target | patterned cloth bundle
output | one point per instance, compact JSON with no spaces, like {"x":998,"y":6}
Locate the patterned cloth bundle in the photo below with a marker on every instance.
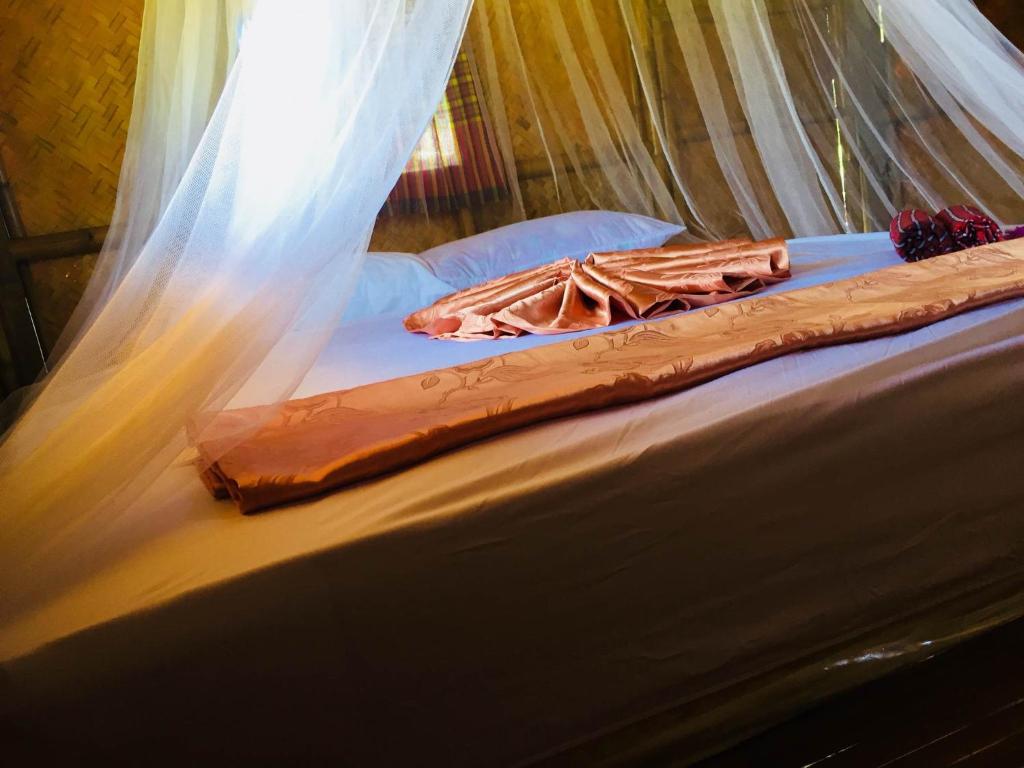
{"x":918,"y":235}
{"x":968,"y":227}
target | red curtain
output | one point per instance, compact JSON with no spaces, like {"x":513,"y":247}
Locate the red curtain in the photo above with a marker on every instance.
{"x":457,"y":163}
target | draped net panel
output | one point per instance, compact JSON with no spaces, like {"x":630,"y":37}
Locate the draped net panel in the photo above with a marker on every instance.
{"x":185,"y":53}
{"x":249,"y":265}
{"x":264,"y":143}
{"x":761,"y":118}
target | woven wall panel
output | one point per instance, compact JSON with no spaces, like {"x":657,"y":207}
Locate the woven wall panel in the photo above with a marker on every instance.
{"x":67,"y":73}
{"x":67,"y":70}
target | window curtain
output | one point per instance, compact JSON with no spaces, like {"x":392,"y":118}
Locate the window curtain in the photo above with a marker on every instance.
{"x":457,"y":163}
{"x":559,"y":91}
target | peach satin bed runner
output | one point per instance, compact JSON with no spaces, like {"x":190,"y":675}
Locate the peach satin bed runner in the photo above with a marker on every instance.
{"x":316,"y":444}
{"x":605,"y":289}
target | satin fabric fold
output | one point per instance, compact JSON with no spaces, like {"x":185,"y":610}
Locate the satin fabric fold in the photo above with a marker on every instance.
{"x":605,"y":289}
{"x":315,"y":444}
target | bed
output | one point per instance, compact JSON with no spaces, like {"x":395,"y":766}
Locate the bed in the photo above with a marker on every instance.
{"x":680,"y":571}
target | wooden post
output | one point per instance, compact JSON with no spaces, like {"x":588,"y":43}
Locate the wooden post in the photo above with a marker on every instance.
{"x":8,"y":208}
{"x":15,"y":312}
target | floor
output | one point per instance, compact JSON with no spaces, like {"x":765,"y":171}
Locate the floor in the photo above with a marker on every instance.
{"x":963,"y":708}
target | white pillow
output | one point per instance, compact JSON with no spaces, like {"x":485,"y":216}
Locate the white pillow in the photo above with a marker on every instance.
{"x":473,"y":260}
{"x":392,"y":283}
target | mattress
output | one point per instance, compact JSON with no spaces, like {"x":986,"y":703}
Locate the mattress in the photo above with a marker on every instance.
{"x":683,"y":567}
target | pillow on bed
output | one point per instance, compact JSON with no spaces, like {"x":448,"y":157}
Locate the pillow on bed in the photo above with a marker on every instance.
{"x":498,"y":252}
{"x":391,"y":283}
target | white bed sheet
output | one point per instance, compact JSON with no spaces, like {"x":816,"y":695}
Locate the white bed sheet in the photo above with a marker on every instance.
{"x":380,"y":348}
{"x":527,"y":592}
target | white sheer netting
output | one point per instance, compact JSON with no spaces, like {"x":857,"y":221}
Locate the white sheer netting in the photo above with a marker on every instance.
{"x":769,"y":117}
{"x":251,"y":261}
{"x":185,"y":54}
{"x":264,"y":142}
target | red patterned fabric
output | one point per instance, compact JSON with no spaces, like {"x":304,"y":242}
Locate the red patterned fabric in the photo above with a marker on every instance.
{"x":916,"y":235}
{"x":457,"y":163}
{"x":968,"y":227}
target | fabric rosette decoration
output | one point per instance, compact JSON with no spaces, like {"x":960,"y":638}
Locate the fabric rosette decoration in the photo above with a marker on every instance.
{"x":968,"y":227}
{"x":917,"y":235}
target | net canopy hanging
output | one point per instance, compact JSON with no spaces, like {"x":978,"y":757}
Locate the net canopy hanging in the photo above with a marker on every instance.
{"x":765,"y":118}
{"x":269,"y":149}
{"x":249,"y":260}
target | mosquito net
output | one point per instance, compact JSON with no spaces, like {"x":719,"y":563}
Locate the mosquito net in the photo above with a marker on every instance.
{"x":763,"y":118}
{"x":270,"y":146}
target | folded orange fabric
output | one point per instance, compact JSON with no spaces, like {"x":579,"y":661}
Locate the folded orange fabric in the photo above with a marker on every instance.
{"x":605,"y":289}
{"x":310,"y":446}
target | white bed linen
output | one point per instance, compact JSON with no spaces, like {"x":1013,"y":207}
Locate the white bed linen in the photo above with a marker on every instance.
{"x":528,"y":592}
{"x":380,"y":348}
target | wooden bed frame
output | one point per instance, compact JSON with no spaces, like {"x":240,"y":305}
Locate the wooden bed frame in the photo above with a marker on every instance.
{"x":964,"y":707}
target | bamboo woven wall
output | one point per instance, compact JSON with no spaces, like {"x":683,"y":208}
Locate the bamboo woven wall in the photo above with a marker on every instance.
{"x":67,"y":70}
{"x":66,"y":77}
